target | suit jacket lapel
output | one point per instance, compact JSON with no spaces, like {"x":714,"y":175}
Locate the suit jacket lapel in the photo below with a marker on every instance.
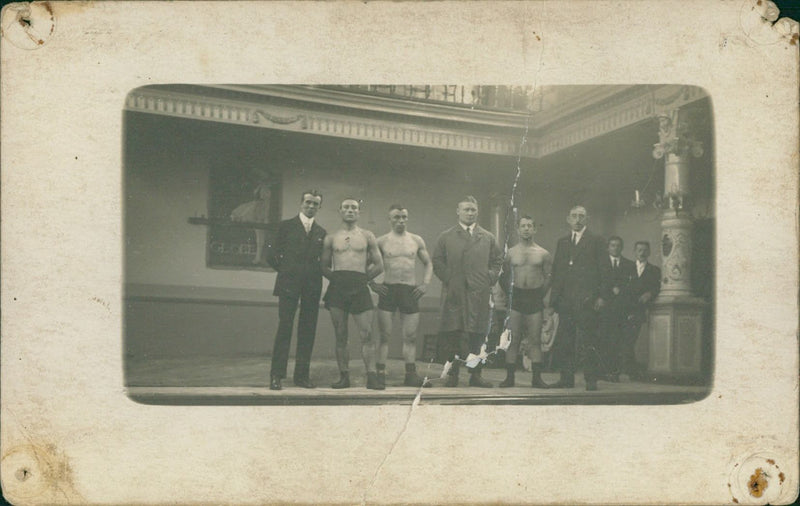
{"x":315,"y":230}
{"x":580,"y":248}
{"x":298,"y":224}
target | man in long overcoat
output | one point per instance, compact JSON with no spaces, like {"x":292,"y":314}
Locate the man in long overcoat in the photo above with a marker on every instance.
{"x":467,"y":260}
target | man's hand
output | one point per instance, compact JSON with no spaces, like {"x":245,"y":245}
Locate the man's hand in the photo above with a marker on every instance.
{"x":379,"y":288}
{"x":615,"y":290}
{"x":645,"y":298}
{"x":420,"y":290}
{"x":548,"y":311}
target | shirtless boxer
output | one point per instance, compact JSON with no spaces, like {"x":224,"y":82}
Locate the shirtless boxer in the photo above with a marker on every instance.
{"x":350,"y":259}
{"x":526,"y":279}
{"x":400,"y":292}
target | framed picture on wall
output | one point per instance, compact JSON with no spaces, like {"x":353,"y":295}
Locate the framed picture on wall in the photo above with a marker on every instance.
{"x":244,"y":206}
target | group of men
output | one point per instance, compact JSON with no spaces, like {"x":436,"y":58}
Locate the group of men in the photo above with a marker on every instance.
{"x":601,"y":297}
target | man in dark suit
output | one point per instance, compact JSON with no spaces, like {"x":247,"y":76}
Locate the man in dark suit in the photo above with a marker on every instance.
{"x":296,"y":256}
{"x":615,"y":276}
{"x":576,"y":288}
{"x":642,"y":290}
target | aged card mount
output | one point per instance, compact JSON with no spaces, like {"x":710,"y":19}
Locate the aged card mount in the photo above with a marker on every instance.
{"x":70,"y":434}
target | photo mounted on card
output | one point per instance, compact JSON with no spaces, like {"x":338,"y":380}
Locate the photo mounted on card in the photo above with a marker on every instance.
{"x":478,"y":244}
{"x":365,"y":252}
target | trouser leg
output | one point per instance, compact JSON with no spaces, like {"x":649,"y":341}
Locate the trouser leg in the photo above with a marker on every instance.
{"x":564,"y":348}
{"x":287,"y":307}
{"x":306,"y":333}
{"x":589,"y":349}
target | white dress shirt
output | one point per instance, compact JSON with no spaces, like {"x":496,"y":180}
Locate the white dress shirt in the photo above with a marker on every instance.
{"x":307,"y":222}
{"x":640,"y":267}
{"x":576,"y":236}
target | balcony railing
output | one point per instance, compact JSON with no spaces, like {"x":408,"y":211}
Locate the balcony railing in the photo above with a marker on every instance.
{"x":519,"y":99}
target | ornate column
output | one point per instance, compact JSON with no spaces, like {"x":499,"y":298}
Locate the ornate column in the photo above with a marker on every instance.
{"x":676,"y":318}
{"x":501,"y":218}
{"x":677,"y":143}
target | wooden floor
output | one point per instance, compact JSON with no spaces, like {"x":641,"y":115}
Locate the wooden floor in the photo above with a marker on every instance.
{"x":207,"y":380}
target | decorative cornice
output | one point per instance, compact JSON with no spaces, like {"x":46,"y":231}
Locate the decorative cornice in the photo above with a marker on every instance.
{"x":580,"y":104}
{"x":632,"y":106}
{"x":414,"y":124}
{"x":331,"y":124}
{"x":410,"y":108}
{"x":603,"y":119}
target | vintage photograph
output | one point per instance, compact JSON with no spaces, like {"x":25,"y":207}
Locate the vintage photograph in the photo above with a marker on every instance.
{"x":338,"y":244}
{"x":264,"y":253}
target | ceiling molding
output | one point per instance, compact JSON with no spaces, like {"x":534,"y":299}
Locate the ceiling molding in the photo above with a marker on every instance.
{"x":266,"y":115}
{"x":306,"y":109}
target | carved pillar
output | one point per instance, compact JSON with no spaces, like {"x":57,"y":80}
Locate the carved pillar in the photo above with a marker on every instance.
{"x":675,"y":323}
{"x":501,"y":219}
{"x":676,"y":145}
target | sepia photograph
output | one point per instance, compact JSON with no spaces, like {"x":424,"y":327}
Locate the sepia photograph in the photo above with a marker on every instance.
{"x":410,"y":252}
{"x":470,"y":243}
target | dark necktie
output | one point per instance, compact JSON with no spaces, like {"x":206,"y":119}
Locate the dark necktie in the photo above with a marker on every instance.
{"x":574,"y":239}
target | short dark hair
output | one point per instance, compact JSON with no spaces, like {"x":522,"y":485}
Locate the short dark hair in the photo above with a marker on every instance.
{"x":313,"y":193}
{"x":646,"y":243}
{"x":470,"y":199}
{"x":399,"y":207}
{"x":616,"y":238}
{"x":525,"y":217}
{"x":357,"y":201}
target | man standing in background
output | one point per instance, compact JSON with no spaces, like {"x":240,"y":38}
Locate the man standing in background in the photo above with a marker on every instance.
{"x":467,"y":260}
{"x":296,"y":256}
{"x":615,"y":277}
{"x":399,"y":292}
{"x":644,"y":287}
{"x":576,"y":287}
